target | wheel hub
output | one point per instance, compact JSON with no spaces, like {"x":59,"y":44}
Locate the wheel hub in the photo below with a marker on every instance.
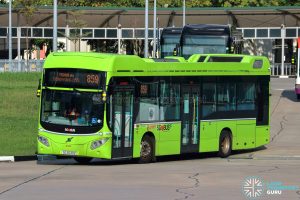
{"x":145,"y":149}
{"x":225,"y":145}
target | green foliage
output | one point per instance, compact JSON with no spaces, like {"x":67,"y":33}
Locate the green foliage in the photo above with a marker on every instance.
{"x":19,"y":113}
{"x":196,"y":3}
{"x":27,"y":8}
{"x":165,"y":3}
{"x":248,"y":3}
{"x":40,"y":42}
{"x":75,"y":21}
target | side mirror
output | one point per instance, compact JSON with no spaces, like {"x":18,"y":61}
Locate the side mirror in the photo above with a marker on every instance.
{"x":38,"y":91}
{"x":176,"y":50}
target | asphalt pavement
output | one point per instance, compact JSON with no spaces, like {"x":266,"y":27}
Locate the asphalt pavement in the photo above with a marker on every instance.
{"x":275,"y":170}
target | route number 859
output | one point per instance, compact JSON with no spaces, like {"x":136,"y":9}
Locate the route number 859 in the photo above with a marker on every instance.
{"x":92,"y":79}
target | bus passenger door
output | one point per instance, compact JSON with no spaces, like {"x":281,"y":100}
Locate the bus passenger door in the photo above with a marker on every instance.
{"x":122,"y":111}
{"x":190,"y":118}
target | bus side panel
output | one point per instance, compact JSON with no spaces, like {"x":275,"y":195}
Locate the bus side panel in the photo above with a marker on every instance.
{"x":262,"y":135}
{"x":139,"y":132}
{"x":245,"y":135}
{"x":170,"y":136}
{"x":208,"y":136}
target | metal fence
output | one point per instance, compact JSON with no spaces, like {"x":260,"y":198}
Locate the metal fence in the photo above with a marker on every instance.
{"x":288,"y":69}
{"x":21,"y":66}
{"x":37,"y":66}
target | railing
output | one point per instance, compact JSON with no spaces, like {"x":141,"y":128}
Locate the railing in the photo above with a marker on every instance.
{"x":288,"y":69}
{"x":21,"y":66}
{"x":37,"y":66}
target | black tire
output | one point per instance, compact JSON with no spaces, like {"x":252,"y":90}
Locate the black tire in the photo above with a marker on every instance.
{"x":147,"y":154}
{"x":83,"y":160}
{"x":298,"y":96}
{"x":225,"y":144}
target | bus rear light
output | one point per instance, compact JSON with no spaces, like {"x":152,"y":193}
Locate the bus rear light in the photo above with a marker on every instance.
{"x":98,"y":143}
{"x":44,"y":141}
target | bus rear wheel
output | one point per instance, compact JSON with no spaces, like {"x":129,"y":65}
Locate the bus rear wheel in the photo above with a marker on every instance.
{"x":225,"y":144}
{"x":83,"y":160}
{"x":147,"y":150}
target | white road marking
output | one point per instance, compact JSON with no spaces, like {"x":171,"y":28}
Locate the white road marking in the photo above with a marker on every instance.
{"x":7,"y":158}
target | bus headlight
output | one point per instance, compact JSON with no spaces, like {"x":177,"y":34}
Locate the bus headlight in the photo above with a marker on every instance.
{"x":98,"y":143}
{"x":44,"y":141}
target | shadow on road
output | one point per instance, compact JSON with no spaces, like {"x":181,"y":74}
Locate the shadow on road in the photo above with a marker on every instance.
{"x":289,"y":94}
{"x":247,"y":151}
{"x":160,"y":159}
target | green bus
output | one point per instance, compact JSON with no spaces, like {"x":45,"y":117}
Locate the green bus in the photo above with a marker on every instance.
{"x":122,"y":106}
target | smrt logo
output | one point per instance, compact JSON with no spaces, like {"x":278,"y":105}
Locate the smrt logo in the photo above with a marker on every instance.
{"x":70,"y":130}
{"x":253,"y":187}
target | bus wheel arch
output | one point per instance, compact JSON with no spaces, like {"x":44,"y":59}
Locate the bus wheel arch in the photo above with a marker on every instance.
{"x":147,"y":150}
{"x":225,"y":143}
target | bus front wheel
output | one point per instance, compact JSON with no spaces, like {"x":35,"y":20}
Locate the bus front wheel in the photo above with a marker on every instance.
{"x":83,"y":160}
{"x":147,"y":150}
{"x":225,"y":144}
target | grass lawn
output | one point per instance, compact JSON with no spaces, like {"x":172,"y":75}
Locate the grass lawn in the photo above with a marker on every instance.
{"x":18,"y":113}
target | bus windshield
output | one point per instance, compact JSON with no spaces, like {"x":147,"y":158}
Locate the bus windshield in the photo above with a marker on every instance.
{"x":72,"y":108}
{"x":201,"y":44}
{"x":170,"y":42}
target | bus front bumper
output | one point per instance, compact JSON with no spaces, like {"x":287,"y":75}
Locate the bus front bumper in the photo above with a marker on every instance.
{"x":95,"y":146}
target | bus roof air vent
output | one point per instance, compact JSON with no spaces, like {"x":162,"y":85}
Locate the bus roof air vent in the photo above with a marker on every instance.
{"x":225,"y":59}
{"x":257,"y":64}
{"x":201,"y":58}
{"x":165,"y":60}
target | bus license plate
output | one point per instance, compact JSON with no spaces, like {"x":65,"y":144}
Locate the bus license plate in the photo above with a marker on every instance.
{"x":70,"y":153}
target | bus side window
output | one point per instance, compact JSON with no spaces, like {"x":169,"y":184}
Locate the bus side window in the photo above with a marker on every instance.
{"x":110,"y":109}
{"x":148,"y":105}
{"x":169,"y":101}
{"x":262,"y":102}
{"x":226,"y":96}
{"x":208,"y":99}
{"x":246,"y":96}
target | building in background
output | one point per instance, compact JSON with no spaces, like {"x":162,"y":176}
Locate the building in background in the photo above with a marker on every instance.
{"x":262,"y":30}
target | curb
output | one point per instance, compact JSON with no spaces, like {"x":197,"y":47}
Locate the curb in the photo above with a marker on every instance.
{"x":276,"y":157}
{"x":265,"y":157}
{"x":278,"y":76}
{"x":17,"y":158}
{"x":7,"y":159}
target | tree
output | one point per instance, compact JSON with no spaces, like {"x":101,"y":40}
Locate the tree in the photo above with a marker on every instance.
{"x":75,"y":35}
{"x":27,"y":9}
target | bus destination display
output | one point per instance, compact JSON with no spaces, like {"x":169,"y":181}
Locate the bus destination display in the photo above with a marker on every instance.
{"x":73,"y":78}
